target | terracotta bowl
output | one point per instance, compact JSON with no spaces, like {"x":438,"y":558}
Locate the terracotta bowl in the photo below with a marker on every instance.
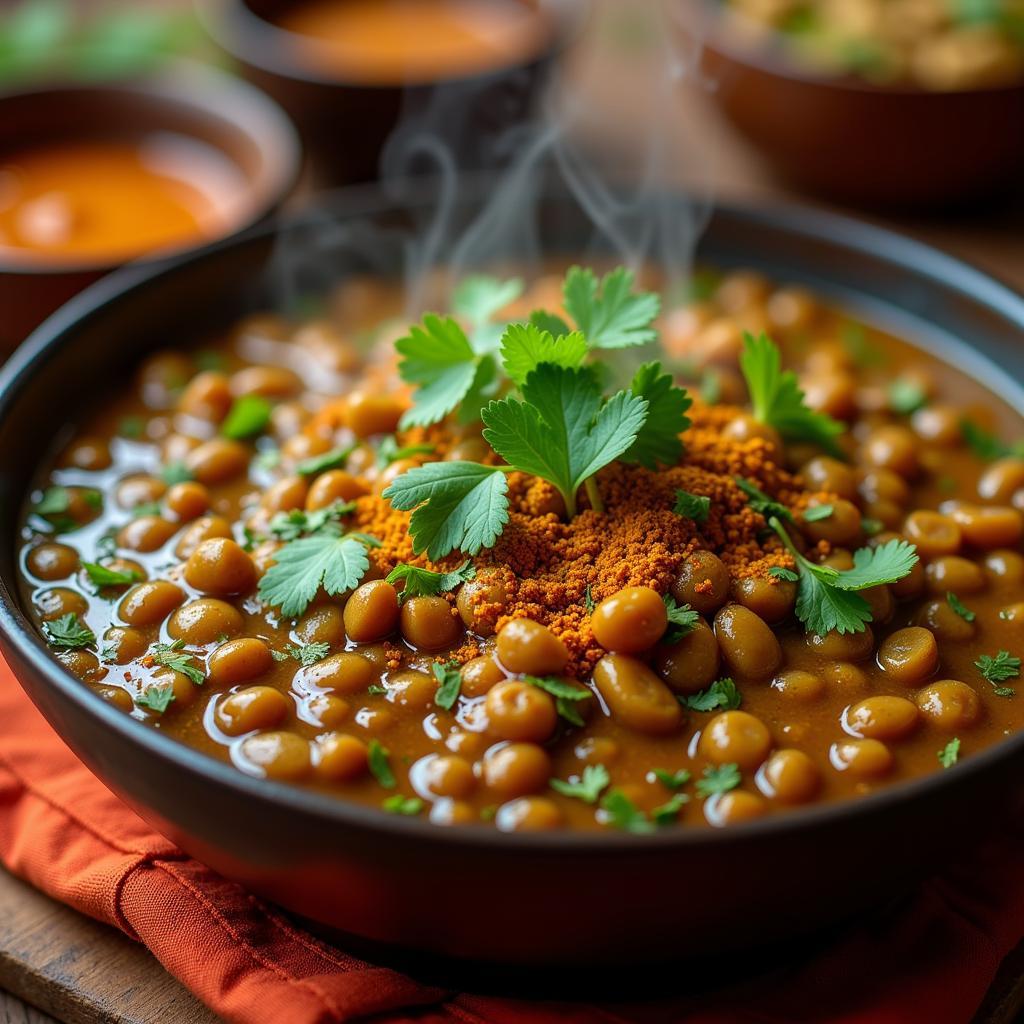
{"x":250,"y":129}
{"x":849,"y":140}
{"x":345,"y":123}
{"x":524,"y":899}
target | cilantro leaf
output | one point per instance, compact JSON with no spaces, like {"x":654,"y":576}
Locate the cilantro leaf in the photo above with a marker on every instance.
{"x":562,"y":432}
{"x":760,"y":502}
{"x":302,"y":566}
{"x":722,"y":693}
{"x":102,"y":576}
{"x":673,"y":780}
{"x":681,"y":619}
{"x":305,"y":654}
{"x":479,"y":297}
{"x":131,"y":427}
{"x":780,"y":572}
{"x":175,"y":473}
{"x":823,"y":608}
{"x":959,"y":607}
{"x":950,"y":753}
{"x":248,"y":416}
{"x":906,"y":396}
{"x":657,"y":442}
{"x":410,"y":806}
{"x":587,"y":787}
{"x":566,"y":695}
{"x":68,"y":633}
{"x":588,"y":600}
{"x":816,"y":513}
{"x":624,"y":814}
{"x":171,"y":656}
{"x":458,"y":505}
{"x":439,"y":359}
{"x":692,"y":506}
{"x":449,"y":679}
{"x":334,"y":459}
{"x":55,"y":501}
{"x":550,"y":322}
{"x":525,"y":346}
{"x":872,"y":567}
{"x":157,"y":697}
{"x":985,"y":445}
{"x":388,"y":451}
{"x":380,"y":765}
{"x":718,"y":779}
{"x":295,"y":522}
{"x":778,"y":401}
{"x":999,"y":668}
{"x":668,"y":812}
{"x":610,"y":314}
{"x":417,"y":582}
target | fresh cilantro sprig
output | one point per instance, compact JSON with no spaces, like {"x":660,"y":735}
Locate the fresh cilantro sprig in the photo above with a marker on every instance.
{"x":103,"y":576}
{"x":692,"y":506}
{"x":566,"y":695}
{"x":722,"y":693}
{"x":586,"y":787}
{"x":295,"y":522}
{"x":816,"y":513}
{"x":333,"y":459}
{"x":985,"y":445}
{"x":479,"y":298}
{"x":247,"y":417}
{"x":449,"y":684}
{"x":525,"y":346}
{"x":68,"y":633}
{"x":379,"y":760}
{"x":718,"y":779}
{"x":778,"y":400}
{"x":304,"y":654}
{"x":172,"y":656}
{"x":609,"y":312}
{"x":156,"y":697}
{"x":950,"y":753}
{"x":761,"y":502}
{"x":998,"y":669}
{"x":623,"y":814}
{"x":827,"y":599}
{"x":658,"y":442}
{"x":681,"y":619}
{"x":673,"y":780}
{"x":417,"y":582}
{"x":668,"y":812}
{"x":959,"y":607}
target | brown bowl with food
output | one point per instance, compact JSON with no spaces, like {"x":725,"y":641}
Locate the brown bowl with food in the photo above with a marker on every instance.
{"x":348,"y":70}
{"x":95,"y":176}
{"x":880,"y":104}
{"x":517,"y":618}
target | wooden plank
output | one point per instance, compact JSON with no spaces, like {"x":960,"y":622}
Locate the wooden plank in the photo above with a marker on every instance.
{"x":14,"y":1011}
{"x":80,"y":971}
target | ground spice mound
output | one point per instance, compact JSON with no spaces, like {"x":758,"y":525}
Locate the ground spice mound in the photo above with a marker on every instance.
{"x":553,"y":571}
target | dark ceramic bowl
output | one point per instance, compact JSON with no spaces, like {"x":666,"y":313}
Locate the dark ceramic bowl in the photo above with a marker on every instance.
{"x":345,"y":123}
{"x":850,"y":140}
{"x":523,"y":899}
{"x":248,"y":127}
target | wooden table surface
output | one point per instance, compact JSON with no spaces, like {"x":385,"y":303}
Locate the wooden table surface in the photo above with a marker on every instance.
{"x":56,"y":965}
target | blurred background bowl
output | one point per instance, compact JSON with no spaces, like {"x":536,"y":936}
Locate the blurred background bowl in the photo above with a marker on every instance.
{"x":850,"y":140}
{"x":346,"y":121}
{"x":209,"y":108}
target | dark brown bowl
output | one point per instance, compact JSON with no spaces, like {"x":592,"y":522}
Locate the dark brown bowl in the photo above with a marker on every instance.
{"x":345,"y":124}
{"x":852,"y":141}
{"x":595,"y":898}
{"x":187,"y":99}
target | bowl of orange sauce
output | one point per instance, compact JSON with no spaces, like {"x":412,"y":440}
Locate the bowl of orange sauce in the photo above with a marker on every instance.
{"x":96,"y":176}
{"x":346,"y":70}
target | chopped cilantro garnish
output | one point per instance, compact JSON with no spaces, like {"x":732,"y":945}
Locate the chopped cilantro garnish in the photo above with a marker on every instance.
{"x":906,"y":396}
{"x":871,"y":527}
{"x":566,"y":695}
{"x":778,"y":401}
{"x":305,"y":654}
{"x":998,"y":669}
{"x":175,"y":473}
{"x":171,"y":656}
{"x":761,"y":502}
{"x":380,"y":765}
{"x":247,"y":417}
{"x":985,"y":445}
{"x":816,"y":513}
{"x":417,"y":582}
{"x":681,"y":619}
{"x":624,"y":814}
{"x":295,"y":522}
{"x":692,"y":506}
{"x":950,"y":753}
{"x":718,"y":779}
{"x":668,"y":812}
{"x":780,"y":572}
{"x":157,"y":697}
{"x":959,"y":607}
{"x":146,"y":508}
{"x":376,"y":690}
{"x":410,"y":806}
{"x":673,"y":780}
{"x":131,"y":427}
{"x":722,"y":693}
{"x":587,"y":787}
{"x":388,"y":451}
{"x":68,"y":633}
{"x":826,"y":598}
{"x":610,"y":314}
{"x":588,"y":600}
{"x":102,"y":576}
{"x":334,"y":459}
{"x":449,"y":680}
{"x":55,"y":501}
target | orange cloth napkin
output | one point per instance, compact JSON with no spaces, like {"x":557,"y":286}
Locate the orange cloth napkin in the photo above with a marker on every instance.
{"x":930,"y":960}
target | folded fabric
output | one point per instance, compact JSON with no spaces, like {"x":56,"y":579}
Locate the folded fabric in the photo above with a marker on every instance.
{"x":930,"y":960}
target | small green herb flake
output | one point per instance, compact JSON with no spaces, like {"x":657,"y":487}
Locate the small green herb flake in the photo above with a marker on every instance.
{"x":816,"y":513}
{"x":380,"y":765}
{"x":959,"y":607}
{"x":864,"y":353}
{"x":780,"y":572}
{"x":131,"y":427}
{"x":673,"y":780}
{"x":417,"y":582}
{"x":247,"y":417}
{"x":610,"y":314}
{"x":778,"y":401}
{"x":101,"y":576}
{"x":950,"y":753}
{"x":409,"y":806}
{"x":682,"y":619}
{"x":999,"y":668}
{"x":722,"y":693}
{"x":388,"y":451}
{"x":208,"y":359}
{"x":158,"y":697}
{"x":871,"y":527}
{"x":692,"y":506}
{"x":376,"y":690}
{"x":566,"y":695}
{"x":55,"y":501}
{"x":984,"y":444}
{"x":588,"y":600}
{"x":175,"y":473}
{"x":305,"y":654}
{"x":68,"y":633}
{"x":718,"y":779}
{"x":906,"y":396}
{"x":334,"y":459}
{"x":623,"y":814}
{"x":761,"y":502}
{"x":173,"y":657}
{"x":668,"y":812}
{"x":587,"y":787}
{"x":449,"y":680}
{"x":268,"y":458}
{"x":295,"y":522}
{"x":146,"y":508}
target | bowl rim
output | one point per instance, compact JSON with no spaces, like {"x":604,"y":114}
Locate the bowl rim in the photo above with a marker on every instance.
{"x":918,"y":259}
{"x":204,"y":91}
{"x":769,"y":57}
{"x":254,"y":40}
